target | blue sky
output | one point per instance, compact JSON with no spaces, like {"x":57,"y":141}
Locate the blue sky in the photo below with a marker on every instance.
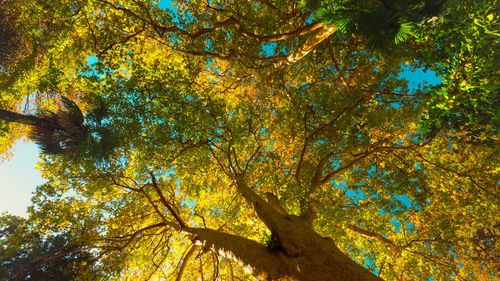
{"x":19,"y":178}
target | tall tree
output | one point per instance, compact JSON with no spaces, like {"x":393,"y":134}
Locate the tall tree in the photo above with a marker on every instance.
{"x":64,"y":132}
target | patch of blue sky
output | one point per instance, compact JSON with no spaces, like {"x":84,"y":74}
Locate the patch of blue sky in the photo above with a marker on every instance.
{"x":208,"y":44}
{"x":177,"y":17}
{"x":418,"y":77}
{"x":268,"y":48}
{"x":372,"y":170}
{"x":92,"y":60}
{"x":405,"y":200}
{"x":189,"y":203}
{"x":19,"y":177}
{"x":355,"y":195}
{"x":320,"y":141}
{"x":91,"y":68}
{"x":166,"y":4}
{"x":263,"y":131}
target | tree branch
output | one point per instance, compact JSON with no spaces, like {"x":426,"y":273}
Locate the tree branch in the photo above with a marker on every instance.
{"x":164,"y":201}
{"x":10,"y":116}
{"x":185,"y":260}
{"x":394,"y":248}
{"x":314,"y":40}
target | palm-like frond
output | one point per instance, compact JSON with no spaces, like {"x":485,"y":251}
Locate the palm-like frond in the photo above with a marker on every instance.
{"x":404,"y":32}
{"x":71,"y":111}
{"x":65,"y":133}
{"x":100,"y":110}
{"x":382,"y":23}
{"x":100,"y":144}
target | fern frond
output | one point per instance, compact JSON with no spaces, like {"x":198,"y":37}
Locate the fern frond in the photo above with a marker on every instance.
{"x":404,"y":32}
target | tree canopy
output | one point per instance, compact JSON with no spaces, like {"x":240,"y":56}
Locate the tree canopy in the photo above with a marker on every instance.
{"x":269,"y":140}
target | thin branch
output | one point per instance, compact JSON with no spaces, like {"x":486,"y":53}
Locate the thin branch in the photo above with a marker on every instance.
{"x":164,"y":201}
{"x":391,"y":267}
{"x":124,"y":40}
{"x":216,"y":266}
{"x":301,"y":159}
{"x":136,"y":233}
{"x":150,"y":200}
{"x":310,"y":44}
{"x":336,"y":64}
{"x":252,"y":156}
{"x":394,"y":248}
{"x":458,"y":174}
{"x":185,"y":260}
{"x":389,"y":93}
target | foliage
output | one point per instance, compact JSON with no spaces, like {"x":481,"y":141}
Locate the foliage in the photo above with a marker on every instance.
{"x":222,"y":136}
{"x":64,"y":132}
{"x":380,"y":22}
{"x":25,"y":255}
{"x":468,"y":99}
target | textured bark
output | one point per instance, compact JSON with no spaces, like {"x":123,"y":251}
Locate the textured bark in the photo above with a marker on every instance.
{"x":20,"y":118}
{"x":318,"y":258}
{"x":250,"y":255}
{"x":302,"y":254}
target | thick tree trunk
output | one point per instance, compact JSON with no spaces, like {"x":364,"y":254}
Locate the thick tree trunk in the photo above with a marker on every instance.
{"x":317,"y":259}
{"x":20,"y":118}
{"x":302,"y":254}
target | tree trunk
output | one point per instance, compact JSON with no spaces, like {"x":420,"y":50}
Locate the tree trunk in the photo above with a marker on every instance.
{"x":301,"y":253}
{"x":317,"y":259}
{"x":20,"y":118}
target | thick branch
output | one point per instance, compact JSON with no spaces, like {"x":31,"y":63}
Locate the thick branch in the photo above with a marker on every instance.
{"x":265,"y":211}
{"x":319,"y":36}
{"x":185,"y":260}
{"x":231,"y":21}
{"x":252,"y":256}
{"x":273,"y":201}
{"x":278,"y":37}
{"x":336,"y":64}
{"x":278,"y":223}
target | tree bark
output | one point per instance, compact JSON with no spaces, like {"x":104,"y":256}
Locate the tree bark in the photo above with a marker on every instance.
{"x":302,"y":254}
{"x":319,"y":258}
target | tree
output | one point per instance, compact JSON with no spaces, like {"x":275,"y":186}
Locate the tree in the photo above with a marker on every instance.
{"x":64,"y":132}
{"x":25,"y":255}
{"x":232,"y":160}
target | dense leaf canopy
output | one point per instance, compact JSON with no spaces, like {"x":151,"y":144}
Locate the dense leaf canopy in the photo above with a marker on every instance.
{"x":254,"y":134}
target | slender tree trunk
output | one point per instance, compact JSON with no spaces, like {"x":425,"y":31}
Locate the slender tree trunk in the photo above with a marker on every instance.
{"x":20,"y":118}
